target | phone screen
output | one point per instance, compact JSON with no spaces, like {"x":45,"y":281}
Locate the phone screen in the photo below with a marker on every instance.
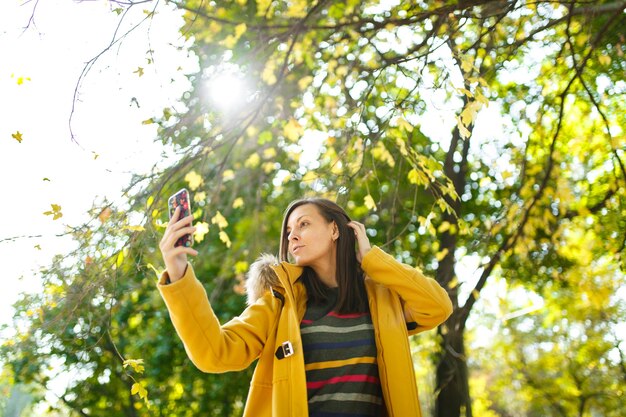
{"x":181,"y":198}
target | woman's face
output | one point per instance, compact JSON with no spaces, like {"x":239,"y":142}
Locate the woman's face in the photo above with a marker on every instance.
{"x":310,"y":236}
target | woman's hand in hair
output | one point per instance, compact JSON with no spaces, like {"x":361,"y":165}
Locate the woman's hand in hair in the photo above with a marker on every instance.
{"x":175,"y":257}
{"x":362,"y":240}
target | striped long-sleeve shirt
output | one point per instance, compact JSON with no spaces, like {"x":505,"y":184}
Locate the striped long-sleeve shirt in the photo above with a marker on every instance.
{"x":340,"y":362}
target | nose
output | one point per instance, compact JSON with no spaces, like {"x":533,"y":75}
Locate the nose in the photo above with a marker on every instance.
{"x":292,"y":236}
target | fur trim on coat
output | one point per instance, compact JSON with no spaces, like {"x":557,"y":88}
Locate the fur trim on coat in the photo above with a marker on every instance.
{"x":261,"y":277}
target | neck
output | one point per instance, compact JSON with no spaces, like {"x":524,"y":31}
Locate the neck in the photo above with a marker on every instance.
{"x":326,"y":272}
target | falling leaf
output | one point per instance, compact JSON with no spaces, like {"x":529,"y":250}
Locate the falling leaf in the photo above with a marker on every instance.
{"x":55,"y":212}
{"x":138,"y":71}
{"x":20,"y":80}
{"x":46,"y":179}
{"x":38,"y":247}
{"x":17,"y":136}
{"x":148,"y":121}
{"x":369,"y":202}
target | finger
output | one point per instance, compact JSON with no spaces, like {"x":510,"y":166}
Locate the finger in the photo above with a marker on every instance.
{"x":174,"y":217}
{"x":175,"y":235}
{"x":185,"y":221}
{"x":183,"y":249}
{"x":171,"y":237}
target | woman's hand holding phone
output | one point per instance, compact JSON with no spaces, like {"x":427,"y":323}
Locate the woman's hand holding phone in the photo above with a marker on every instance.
{"x":175,"y":257}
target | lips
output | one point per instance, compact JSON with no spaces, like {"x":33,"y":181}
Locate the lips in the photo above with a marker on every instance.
{"x":296,"y":248}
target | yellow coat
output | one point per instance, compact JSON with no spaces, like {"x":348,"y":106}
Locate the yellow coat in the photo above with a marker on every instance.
{"x":402,"y":302}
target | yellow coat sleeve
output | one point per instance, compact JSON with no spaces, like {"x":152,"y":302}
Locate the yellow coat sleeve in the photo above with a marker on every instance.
{"x":425,"y":301}
{"x":213,"y":347}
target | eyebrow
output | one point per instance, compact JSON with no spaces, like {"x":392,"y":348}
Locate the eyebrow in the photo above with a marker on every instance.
{"x":297,"y":220}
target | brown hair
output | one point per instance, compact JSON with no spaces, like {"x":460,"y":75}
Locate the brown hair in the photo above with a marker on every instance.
{"x":352,"y":294}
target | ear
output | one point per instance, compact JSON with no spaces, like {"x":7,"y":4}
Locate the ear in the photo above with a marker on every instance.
{"x":335,"y":234}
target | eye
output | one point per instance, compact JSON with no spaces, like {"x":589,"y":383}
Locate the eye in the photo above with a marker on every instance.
{"x":303,"y":224}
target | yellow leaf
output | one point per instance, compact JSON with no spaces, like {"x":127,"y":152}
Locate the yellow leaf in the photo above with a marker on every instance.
{"x":138,"y":389}
{"x":262,"y":7}
{"x":17,"y":136}
{"x":134,"y":228}
{"x":453,"y":282}
{"x":304,"y":82}
{"x":238,"y":203}
{"x":297,"y":9}
{"x":202,"y":228}
{"x":253,"y":161}
{"x":268,"y":73}
{"x":269,"y":153}
{"x":402,"y":122}
{"x":604,"y":60}
{"x":194,"y":180}
{"x":198,"y":197}
{"x":224,"y":238}
{"x":462,"y":129}
{"x":219,"y":220}
{"x":466,"y":65}
{"x":138,"y":71}
{"x":310,"y":176}
{"x":469,"y":113}
{"x":380,"y":152}
{"x":231,"y":40}
{"x":293,"y":130}
{"x":55,"y":212}
{"x":105,"y":214}
{"x":120,"y":257}
{"x":136,"y":364}
{"x":369,"y":202}
{"x":241,"y":267}
{"x":442,"y":254}
{"x":417,"y":177}
{"x":465,"y":92}
{"x":228,"y":175}
{"x":240,"y":29}
{"x":268,"y":167}
{"x":148,"y":121}
{"x":444,"y":227}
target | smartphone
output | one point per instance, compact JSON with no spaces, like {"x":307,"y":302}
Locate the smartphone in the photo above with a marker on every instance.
{"x":181,"y":199}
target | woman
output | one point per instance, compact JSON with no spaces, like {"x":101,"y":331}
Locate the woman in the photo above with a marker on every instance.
{"x":330,"y":329}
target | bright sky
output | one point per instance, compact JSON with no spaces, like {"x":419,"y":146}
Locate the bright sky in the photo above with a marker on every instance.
{"x":50,"y":56}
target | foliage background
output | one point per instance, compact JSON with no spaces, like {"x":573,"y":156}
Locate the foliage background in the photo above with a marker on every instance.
{"x":481,"y":141}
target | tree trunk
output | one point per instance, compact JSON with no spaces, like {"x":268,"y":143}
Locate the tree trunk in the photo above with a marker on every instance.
{"x":453,"y":399}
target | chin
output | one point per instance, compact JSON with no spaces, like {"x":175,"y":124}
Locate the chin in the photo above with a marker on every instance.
{"x":299,"y":261}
